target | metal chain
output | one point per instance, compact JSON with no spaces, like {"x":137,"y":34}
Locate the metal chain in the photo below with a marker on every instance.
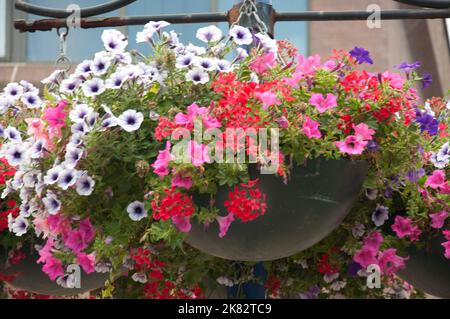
{"x":63,"y":58}
{"x":249,"y":9}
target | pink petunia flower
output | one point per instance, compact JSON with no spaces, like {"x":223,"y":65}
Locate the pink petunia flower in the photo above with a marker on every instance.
{"x":311,"y":128}
{"x":184,"y":182}
{"x":53,"y":268}
{"x":197,"y":153}
{"x":294,"y":80}
{"x":438,"y":219}
{"x":194,"y":112}
{"x":446,"y":246}
{"x":363,"y":132}
{"x":352,"y":145}
{"x":87,"y":262}
{"x":56,"y":116}
{"x":87,"y":230}
{"x":262,"y":63}
{"x":224,"y":224}
{"x":390,"y":262}
{"x":309,"y":65}
{"x":75,"y":241}
{"x":45,"y":253}
{"x":403,"y":227}
{"x":268,"y":99}
{"x":182,"y":223}
{"x":446,"y":234}
{"x":323,"y":103}
{"x":161,"y":165}
{"x":365,"y":257}
{"x":436,"y":180}
{"x":395,"y":80}
{"x":373,"y":241}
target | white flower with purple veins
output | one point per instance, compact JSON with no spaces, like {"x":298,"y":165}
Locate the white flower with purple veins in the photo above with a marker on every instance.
{"x":92,"y":119}
{"x":72,"y":157}
{"x":173,"y":38}
{"x":185,"y":61}
{"x":441,"y":158}
{"x":116,"y":80}
{"x":136,"y":211}
{"x":28,"y":87}
{"x":76,"y":140}
{"x":68,"y":86}
{"x":5,"y":104}
{"x":80,"y":128}
{"x":31,"y":100}
{"x":241,"y":35}
{"x":52,"y":175}
{"x":20,"y":226}
{"x":124,"y":58}
{"x":93,"y":87}
{"x":80,"y":113}
{"x":51,"y":203}
{"x":131,"y":120}
{"x":2,"y":131}
{"x":84,"y":68}
{"x":145,"y":36}
{"x":268,"y":44}
{"x":100,"y":65}
{"x":13,"y":91}
{"x":156,"y":25}
{"x":209,"y":34}
{"x":139,"y":277}
{"x":198,"y":76}
{"x":207,"y":64}
{"x":85,"y":185}
{"x":12,"y":134}
{"x":28,"y":208}
{"x":53,"y":78}
{"x":67,"y":178}
{"x":16,"y":154}
{"x":241,"y":54}
{"x":190,"y":48}
{"x":114,"y":41}
{"x":109,"y":122}
{"x":380,"y":215}
{"x":224,"y":66}
{"x":31,"y":178}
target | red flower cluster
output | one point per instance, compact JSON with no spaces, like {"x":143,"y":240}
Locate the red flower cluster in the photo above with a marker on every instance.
{"x":164,"y":129}
{"x":5,"y":170}
{"x":273,"y":286}
{"x":324,"y":266}
{"x":173,"y":204}
{"x":9,"y":208}
{"x":247,"y":203}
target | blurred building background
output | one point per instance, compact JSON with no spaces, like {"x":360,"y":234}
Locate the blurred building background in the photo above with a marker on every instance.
{"x":30,"y":56}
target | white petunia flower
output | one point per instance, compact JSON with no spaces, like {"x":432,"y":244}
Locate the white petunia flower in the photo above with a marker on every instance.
{"x":54,"y":78}
{"x":207,"y":64}
{"x":116,"y":80}
{"x":268,"y":44}
{"x":80,"y":113}
{"x":80,"y":128}
{"x":156,"y":25}
{"x":75,"y":140}
{"x":124,"y":58}
{"x":100,"y":65}
{"x":209,"y":34}
{"x":93,"y":87}
{"x":16,"y":154}
{"x":72,"y":157}
{"x":131,"y":120}
{"x":28,"y":87}
{"x":92,"y":119}
{"x":185,"y":61}
{"x":20,"y":226}
{"x":52,"y":175}
{"x":31,"y":100}
{"x":12,"y":134}
{"x":13,"y":91}
{"x":85,"y":185}
{"x":241,"y":35}
{"x":84,"y":68}
{"x":145,"y":36}
{"x":67,"y":178}
{"x":114,"y":40}
{"x":28,"y":208}
{"x":198,"y":76}
{"x":68,"y":86}
{"x":5,"y":104}
{"x":190,"y":48}
{"x":136,"y":211}
{"x":51,"y":203}
{"x":224,"y":66}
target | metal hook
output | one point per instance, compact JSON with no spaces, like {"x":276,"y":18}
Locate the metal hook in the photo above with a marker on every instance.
{"x":63,"y":58}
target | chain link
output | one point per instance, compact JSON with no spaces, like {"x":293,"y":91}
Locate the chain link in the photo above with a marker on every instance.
{"x":249,"y":9}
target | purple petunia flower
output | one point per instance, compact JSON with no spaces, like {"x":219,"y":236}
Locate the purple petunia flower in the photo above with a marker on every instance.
{"x":380,"y":215}
{"x":427,"y":123}
{"x":312,"y":293}
{"x":373,"y":146}
{"x":353,"y":269}
{"x":414,"y":175}
{"x":427,"y":80}
{"x":408,"y":67}
{"x":361,"y":55}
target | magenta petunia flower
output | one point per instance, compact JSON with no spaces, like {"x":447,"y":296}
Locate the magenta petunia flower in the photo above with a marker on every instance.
{"x":436,"y":180}
{"x":311,"y":128}
{"x":268,"y":99}
{"x":323,"y":103}
{"x":365,"y":257}
{"x":352,"y":145}
{"x":446,"y":246}
{"x":56,"y":116}
{"x":161,"y":165}
{"x":364,"y":132}
{"x":197,"y":153}
{"x":224,"y":224}
{"x":438,"y":219}
{"x":403,"y":227}
{"x":182,"y":223}
{"x":390,"y":262}
{"x":87,"y":262}
{"x":263,"y":63}
{"x":53,"y":268}
{"x":182,"y":182}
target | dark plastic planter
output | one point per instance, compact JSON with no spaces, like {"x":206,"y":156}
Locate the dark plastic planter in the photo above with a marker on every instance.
{"x":428,"y":270}
{"x":300,"y":214}
{"x":32,"y":279}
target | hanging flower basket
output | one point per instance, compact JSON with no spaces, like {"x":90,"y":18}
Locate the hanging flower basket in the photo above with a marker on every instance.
{"x":427,"y":268}
{"x":299,"y":214}
{"x":247,"y":156}
{"x":25,"y":274}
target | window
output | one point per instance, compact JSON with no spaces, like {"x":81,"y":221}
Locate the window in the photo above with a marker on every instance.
{"x":82,"y":44}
